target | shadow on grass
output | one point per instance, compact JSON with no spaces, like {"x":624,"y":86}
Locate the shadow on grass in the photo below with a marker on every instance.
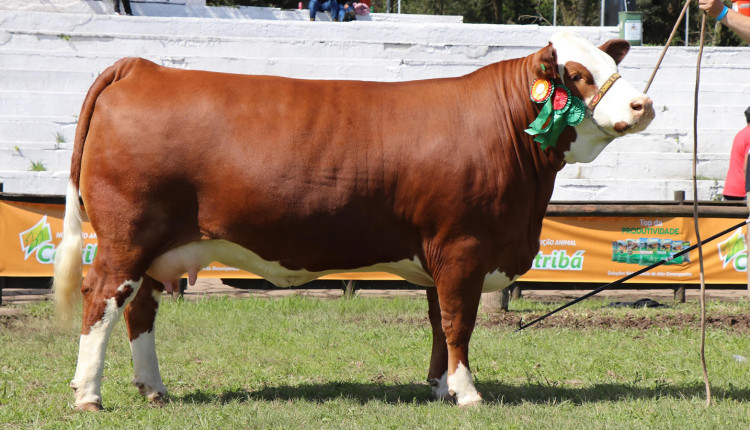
{"x":492,"y":392}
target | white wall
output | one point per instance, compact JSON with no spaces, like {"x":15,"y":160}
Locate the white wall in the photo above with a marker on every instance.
{"x":48,"y":60}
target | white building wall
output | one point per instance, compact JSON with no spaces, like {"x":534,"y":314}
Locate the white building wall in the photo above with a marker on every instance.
{"x":51,"y":50}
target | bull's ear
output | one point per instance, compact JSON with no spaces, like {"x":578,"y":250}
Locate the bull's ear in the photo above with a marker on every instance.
{"x":616,"y":48}
{"x":545,"y":63}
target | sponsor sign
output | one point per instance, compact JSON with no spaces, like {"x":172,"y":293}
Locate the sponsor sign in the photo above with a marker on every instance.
{"x":585,"y":249}
{"x":604,"y":249}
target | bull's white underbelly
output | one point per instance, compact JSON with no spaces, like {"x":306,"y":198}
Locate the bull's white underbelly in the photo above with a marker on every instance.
{"x":192,"y":257}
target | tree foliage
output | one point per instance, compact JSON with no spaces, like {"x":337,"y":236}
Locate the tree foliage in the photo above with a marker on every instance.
{"x":659,"y":16}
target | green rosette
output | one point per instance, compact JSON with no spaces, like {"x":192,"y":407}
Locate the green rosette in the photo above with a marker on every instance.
{"x":559,"y":110}
{"x":576,"y":112}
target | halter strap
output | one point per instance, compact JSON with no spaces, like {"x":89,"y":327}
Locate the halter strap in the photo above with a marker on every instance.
{"x":603,"y":90}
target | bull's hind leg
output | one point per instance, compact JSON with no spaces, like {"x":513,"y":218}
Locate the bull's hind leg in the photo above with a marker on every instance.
{"x":104,"y":298}
{"x":140,"y":317}
{"x":438,"y":374}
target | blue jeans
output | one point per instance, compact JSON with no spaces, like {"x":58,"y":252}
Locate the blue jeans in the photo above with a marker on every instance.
{"x":337,"y":12}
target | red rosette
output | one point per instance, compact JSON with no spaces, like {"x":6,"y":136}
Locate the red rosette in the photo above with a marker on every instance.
{"x":541,"y":90}
{"x":560,"y":98}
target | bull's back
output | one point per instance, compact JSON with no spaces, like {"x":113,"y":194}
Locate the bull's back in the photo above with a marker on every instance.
{"x":312,"y":133}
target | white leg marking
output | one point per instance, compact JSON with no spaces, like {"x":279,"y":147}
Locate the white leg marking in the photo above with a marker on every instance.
{"x":462,"y":386}
{"x":145,"y":363}
{"x":88,"y":378}
{"x":440,"y":387}
{"x":146,"y":367}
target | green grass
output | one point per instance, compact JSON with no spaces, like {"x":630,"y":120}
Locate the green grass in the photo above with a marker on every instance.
{"x":310,"y":363}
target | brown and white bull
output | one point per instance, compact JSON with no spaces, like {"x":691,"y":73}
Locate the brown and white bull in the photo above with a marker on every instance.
{"x":432,"y":180}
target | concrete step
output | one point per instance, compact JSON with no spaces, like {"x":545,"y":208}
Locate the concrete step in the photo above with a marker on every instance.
{"x":652,"y":166}
{"x":632,"y":190}
{"x":37,"y":131}
{"x":67,"y":81}
{"x":674,"y":141}
{"x":229,"y":47}
{"x":23,"y":159}
{"x":433,"y":33}
{"x":681,"y":58}
{"x":678,"y":117}
{"x":40,"y":103}
{"x":46,"y":182}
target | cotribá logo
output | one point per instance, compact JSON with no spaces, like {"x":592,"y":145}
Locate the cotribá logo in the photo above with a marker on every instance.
{"x":734,"y":251}
{"x":559,"y":260}
{"x":37,"y":241}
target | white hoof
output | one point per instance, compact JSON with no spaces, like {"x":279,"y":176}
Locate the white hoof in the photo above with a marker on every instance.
{"x":461,"y":385}
{"x":154,"y":394}
{"x":440,"y":388}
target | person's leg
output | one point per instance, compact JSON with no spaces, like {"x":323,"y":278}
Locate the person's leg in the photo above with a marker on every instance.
{"x":336,"y":11}
{"x":126,"y":4}
{"x":117,"y":6}
{"x":314,"y":6}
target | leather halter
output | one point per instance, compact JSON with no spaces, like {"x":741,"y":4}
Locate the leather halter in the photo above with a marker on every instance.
{"x":603,"y":90}
{"x":598,"y":97}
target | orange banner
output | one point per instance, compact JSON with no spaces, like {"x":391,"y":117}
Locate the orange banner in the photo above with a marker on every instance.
{"x":593,"y":249}
{"x":604,"y":249}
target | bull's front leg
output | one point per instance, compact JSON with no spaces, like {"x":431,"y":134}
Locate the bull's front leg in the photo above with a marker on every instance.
{"x":104,"y":300}
{"x":140,"y":317}
{"x":459,"y":286}
{"x":459,"y":312}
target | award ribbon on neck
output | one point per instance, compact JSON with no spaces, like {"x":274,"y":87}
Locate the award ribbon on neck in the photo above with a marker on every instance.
{"x":560,"y":109}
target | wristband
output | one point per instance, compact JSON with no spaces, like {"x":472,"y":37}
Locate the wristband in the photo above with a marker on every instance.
{"x":722,"y":14}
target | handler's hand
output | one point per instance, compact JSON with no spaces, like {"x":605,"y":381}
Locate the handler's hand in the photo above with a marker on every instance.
{"x":712,"y":7}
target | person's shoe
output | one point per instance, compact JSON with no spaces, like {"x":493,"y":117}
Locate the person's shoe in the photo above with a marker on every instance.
{"x":312,"y":19}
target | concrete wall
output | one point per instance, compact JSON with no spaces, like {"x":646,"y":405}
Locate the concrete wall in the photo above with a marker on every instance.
{"x":49,"y":58}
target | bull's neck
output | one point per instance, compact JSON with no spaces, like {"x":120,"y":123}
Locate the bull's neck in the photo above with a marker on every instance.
{"x":515,"y":111}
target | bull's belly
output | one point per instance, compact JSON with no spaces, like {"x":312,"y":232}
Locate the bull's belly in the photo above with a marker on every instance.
{"x":192,"y":257}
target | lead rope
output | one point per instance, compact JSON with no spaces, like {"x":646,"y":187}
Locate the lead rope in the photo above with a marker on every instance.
{"x":702,"y":346}
{"x":695,"y":213}
{"x":669,"y":42}
{"x":695,"y":187}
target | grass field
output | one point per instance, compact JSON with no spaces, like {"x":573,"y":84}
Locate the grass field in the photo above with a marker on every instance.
{"x":362,"y":363}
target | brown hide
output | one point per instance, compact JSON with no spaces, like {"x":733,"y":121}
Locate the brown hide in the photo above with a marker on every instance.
{"x":316,"y":174}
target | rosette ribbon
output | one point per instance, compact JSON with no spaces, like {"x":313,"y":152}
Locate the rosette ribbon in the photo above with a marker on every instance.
{"x":560,"y":109}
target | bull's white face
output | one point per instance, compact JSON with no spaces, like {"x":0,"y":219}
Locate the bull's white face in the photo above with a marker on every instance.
{"x":584,"y":68}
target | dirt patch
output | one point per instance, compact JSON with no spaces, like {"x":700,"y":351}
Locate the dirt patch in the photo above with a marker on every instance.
{"x":10,"y":312}
{"x":663,"y":319}
{"x":8,"y":316}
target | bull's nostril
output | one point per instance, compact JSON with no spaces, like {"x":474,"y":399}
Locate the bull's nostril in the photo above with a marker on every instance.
{"x":636,"y":106}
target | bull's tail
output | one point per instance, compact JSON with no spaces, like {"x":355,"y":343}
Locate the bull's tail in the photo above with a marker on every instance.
{"x":68,"y":259}
{"x":68,"y":270}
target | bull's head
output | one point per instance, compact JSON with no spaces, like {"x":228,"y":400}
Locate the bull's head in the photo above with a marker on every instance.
{"x":614,"y":107}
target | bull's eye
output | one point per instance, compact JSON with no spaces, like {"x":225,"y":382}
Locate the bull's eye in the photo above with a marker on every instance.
{"x":576,"y":77}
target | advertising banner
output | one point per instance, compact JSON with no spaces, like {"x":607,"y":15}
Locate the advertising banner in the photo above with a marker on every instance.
{"x":604,"y":249}
{"x":580,"y":249}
